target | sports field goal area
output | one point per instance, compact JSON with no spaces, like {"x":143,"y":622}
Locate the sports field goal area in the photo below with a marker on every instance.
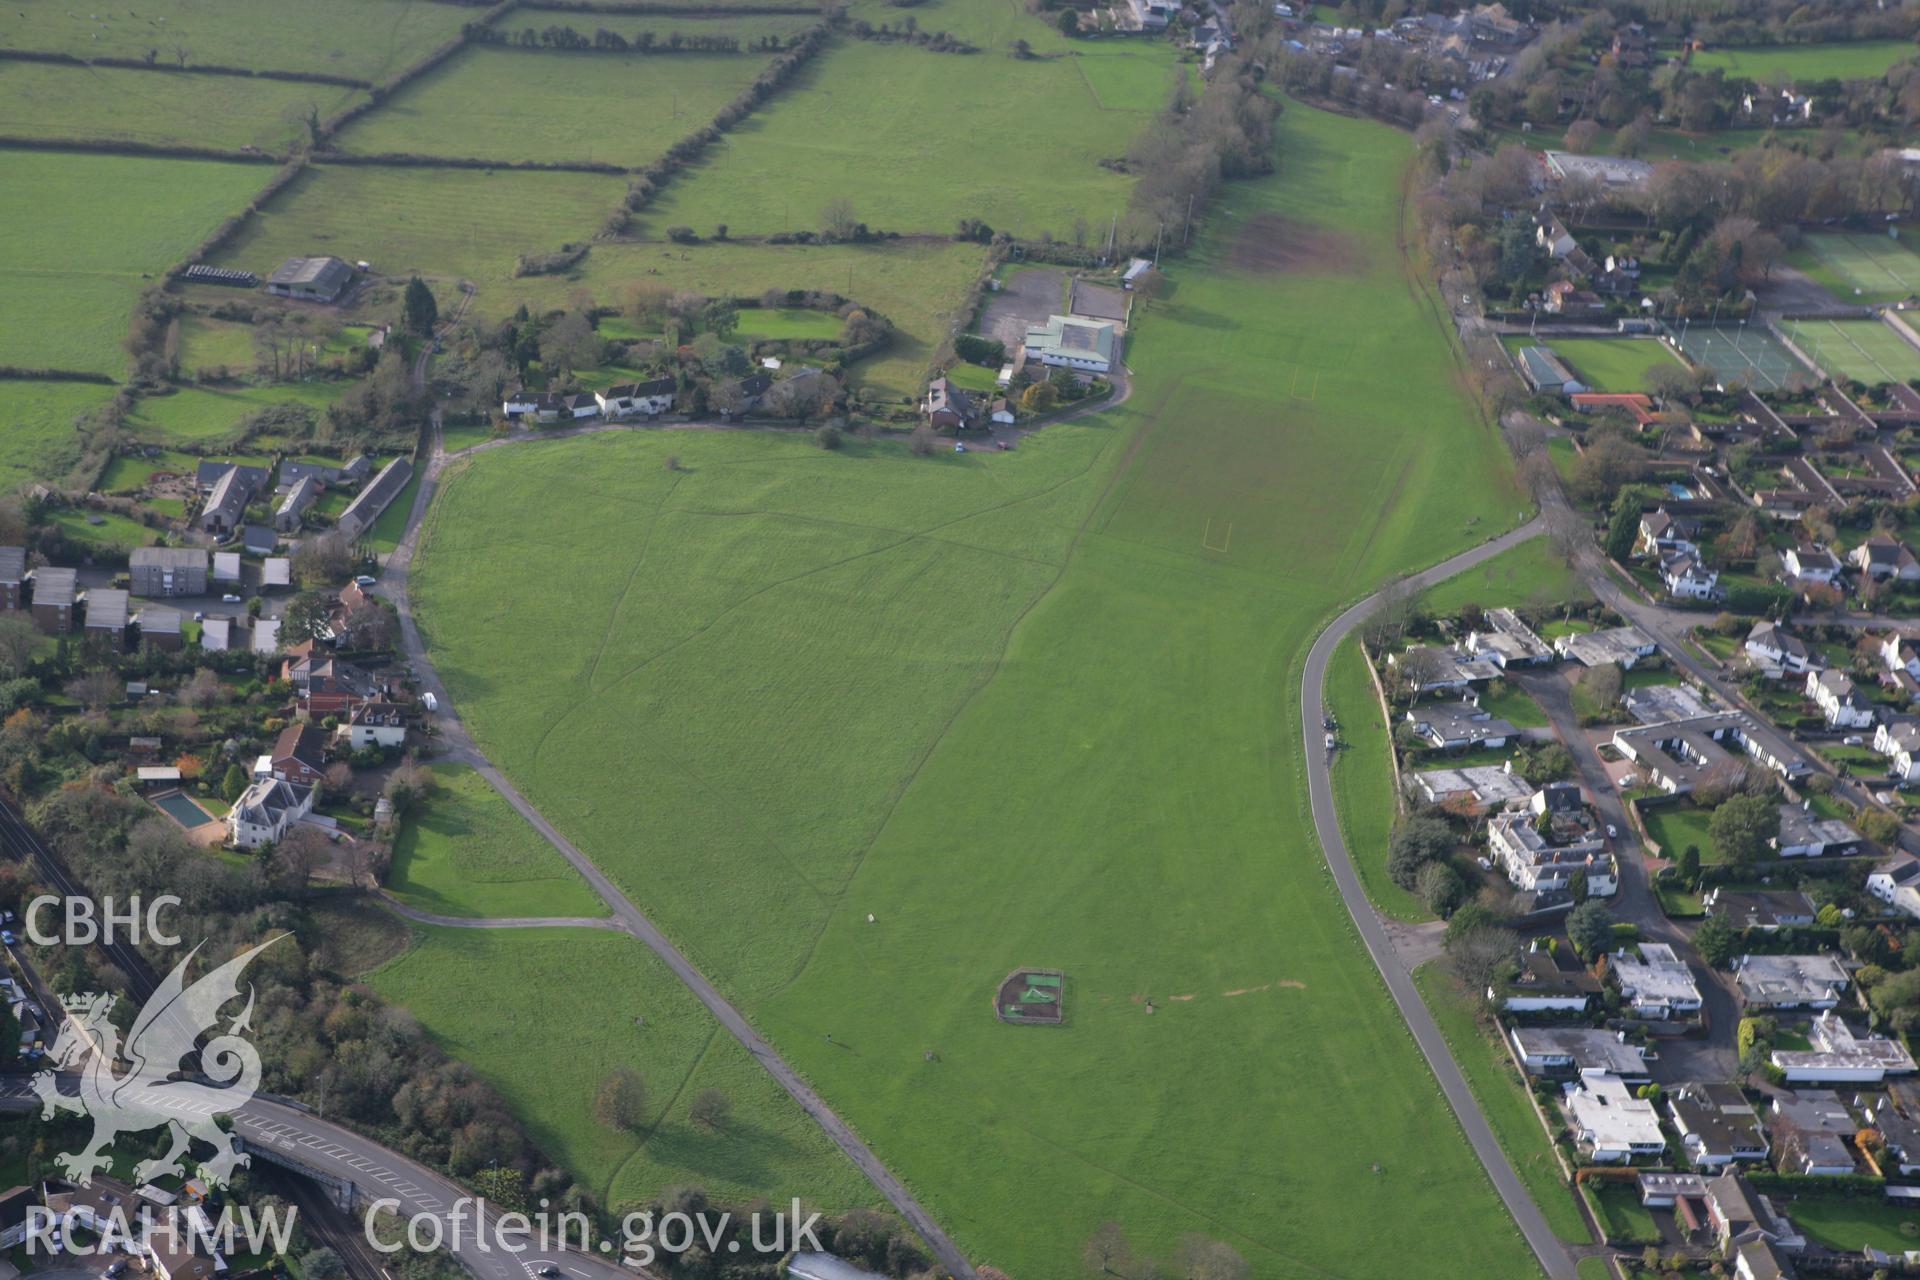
{"x":1740,"y":353}
{"x":1876,"y":265}
{"x":1866,"y":351}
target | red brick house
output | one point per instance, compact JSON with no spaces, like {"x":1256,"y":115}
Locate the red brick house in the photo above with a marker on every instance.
{"x":300,"y":754}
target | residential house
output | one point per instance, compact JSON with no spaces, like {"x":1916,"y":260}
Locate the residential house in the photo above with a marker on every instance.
{"x":265,"y":810}
{"x":1621,"y":646}
{"x":53,"y":594}
{"x":159,"y":572}
{"x":1805,"y":834}
{"x":947,"y":406}
{"x":1807,"y":565}
{"x":1509,"y":642}
{"x":106,"y":616}
{"x":1902,"y":663}
{"x":1577,"y":1051}
{"x":226,"y":504}
{"x":374,"y":724}
{"x":1885,"y":559}
{"x":1073,"y":342}
{"x":327,"y":686}
{"x":106,"y":1203}
{"x":208,"y":473}
{"x":1776,"y":653}
{"x":375,"y":498}
{"x":1840,"y":703}
{"x":1459,"y":724}
{"x":1632,"y":48}
{"x":1478,"y":789}
{"x":1612,"y":1125}
{"x":1762,"y":1260}
{"x":1660,"y":1190}
{"x":1676,"y":756}
{"x":1546,"y":862}
{"x":1810,"y":1129}
{"x":1564,"y":298}
{"x":1665,"y":703}
{"x":520,"y":403}
{"x":1151,"y":15}
{"x":310,"y":279}
{"x":1717,"y":1125}
{"x":1737,"y":1215}
{"x":1550,"y":234}
{"x":258,"y":540}
{"x":654,"y":396}
{"x":1899,"y":740}
{"x":1662,"y":534}
{"x":1789,"y":982}
{"x":1544,"y":986}
{"x":289,"y":515}
{"x":13,"y":578}
{"x":1656,"y":983}
{"x":1896,"y":882}
{"x":1685,"y":578}
{"x":1896,"y":1115}
{"x":1763,"y":909}
{"x":161,"y":628}
{"x":299,"y":754}
{"x":1431,"y":668}
{"x":1837,"y":1056}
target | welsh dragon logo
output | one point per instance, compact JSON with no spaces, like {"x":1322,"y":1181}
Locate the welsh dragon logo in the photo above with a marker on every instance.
{"x":168,"y":1029}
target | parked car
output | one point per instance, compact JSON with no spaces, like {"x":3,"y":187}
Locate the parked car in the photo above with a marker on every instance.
{"x":6,"y":936}
{"x":230,"y":598}
{"x":1853,"y":740}
{"x":1613,"y":833}
{"x":363,"y":581}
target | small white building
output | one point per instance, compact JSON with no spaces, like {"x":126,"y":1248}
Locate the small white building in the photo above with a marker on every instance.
{"x":632,"y":398}
{"x":1840,"y":703}
{"x":1896,"y":882}
{"x":1810,"y":565}
{"x":1777,"y":653}
{"x":1685,"y":578}
{"x":1657,"y":983}
{"x":1610,"y":1123}
{"x":1838,"y":1056}
{"x":265,"y":810}
{"x":1899,"y":742}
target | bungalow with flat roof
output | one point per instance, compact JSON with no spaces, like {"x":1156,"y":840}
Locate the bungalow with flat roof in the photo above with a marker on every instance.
{"x":1429,"y":668}
{"x":1621,"y":646}
{"x":1789,"y":982}
{"x":53,"y":592}
{"x":1477,"y":789}
{"x":1508,"y":641}
{"x":1763,"y":909}
{"x":1659,"y":1189}
{"x":1610,"y":1123}
{"x":1678,"y":755}
{"x":1717,"y":1125}
{"x":1810,"y":1129}
{"x":1073,"y":342}
{"x":1664,"y":703}
{"x":1805,"y":834}
{"x":1543,"y":986}
{"x":1459,"y":724}
{"x":1656,"y":983}
{"x":1837,"y":1056}
{"x":1577,"y":1051}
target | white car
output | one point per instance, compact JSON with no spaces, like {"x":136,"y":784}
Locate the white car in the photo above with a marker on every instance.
{"x":363,"y":581}
{"x":1613,"y":832}
{"x":230,"y":598}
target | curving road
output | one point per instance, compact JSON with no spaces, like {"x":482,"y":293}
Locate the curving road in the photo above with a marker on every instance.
{"x":1553,"y":1255}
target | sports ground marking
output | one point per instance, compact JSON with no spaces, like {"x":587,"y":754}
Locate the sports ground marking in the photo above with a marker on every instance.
{"x":1843,"y":336}
{"x":1313,"y":387}
{"x":1226,"y":538}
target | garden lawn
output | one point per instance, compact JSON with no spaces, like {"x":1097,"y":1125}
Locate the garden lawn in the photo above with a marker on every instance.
{"x":1508,"y":701}
{"x":1502,"y":1094}
{"x":466,"y":852}
{"x":563,"y":1009}
{"x":367,"y":39}
{"x":1528,"y":575}
{"x":526,"y":104}
{"x":48,"y":100}
{"x":113,"y":529}
{"x":1614,"y":364}
{"x":207,"y":415}
{"x":1621,"y":1214}
{"x":72,"y":263}
{"x":1852,"y":1224}
{"x":1803,"y":63}
{"x":788,"y":322}
{"x":1364,"y":785}
{"x":1675,"y":826}
{"x":39,"y":442}
{"x":131,"y":471}
{"x":874,"y":123}
{"x":1055,"y":690}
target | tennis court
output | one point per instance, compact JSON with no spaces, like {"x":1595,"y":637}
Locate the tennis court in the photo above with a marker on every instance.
{"x":1740,"y":353}
{"x":1879,"y":267}
{"x":1859,"y":350}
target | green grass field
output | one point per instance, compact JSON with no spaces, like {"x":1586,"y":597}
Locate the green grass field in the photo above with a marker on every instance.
{"x":1056,"y":689}
{"x":1861,"y":268}
{"x":1364,"y":782}
{"x":1530,"y":574}
{"x":744,"y":27}
{"x":469,"y":854}
{"x":72,"y":263}
{"x":1850,"y":1224}
{"x":1866,"y":351}
{"x":1503,"y":1097}
{"x":564,"y":1007}
{"x":523,"y":104}
{"x":207,"y":415}
{"x":1675,"y":826}
{"x":820,"y":139}
{"x":368,"y":39}
{"x":208,"y":343}
{"x":104,"y":528}
{"x":788,"y":322}
{"x":38,"y":442}
{"x":43,"y":100}
{"x":1852,"y":60}
{"x":1614,"y":364}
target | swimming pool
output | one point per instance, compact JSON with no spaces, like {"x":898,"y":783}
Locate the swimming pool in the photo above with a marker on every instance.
{"x":183,"y":809}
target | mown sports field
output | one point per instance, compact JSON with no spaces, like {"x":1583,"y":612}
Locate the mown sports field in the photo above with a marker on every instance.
{"x":1847,"y":60}
{"x":1863,"y":268}
{"x":1027,"y":709}
{"x":1866,"y":351}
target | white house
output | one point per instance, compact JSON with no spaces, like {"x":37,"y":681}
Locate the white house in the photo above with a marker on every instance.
{"x":1896,"y":882}
{"x":1661,"y":534}
{"x":1542,"y":986}
{"x":1840,"y":703}
{"x":1656,"y":983}
{"x":1551,"y":234}
{"x":520,"y":402}
{"x":1899,"y":741}
{"x":374,"y":724}
{"x":1809,"y":564}
{"x":1883,"y":559}
{"x":1898,"y":653}
{"x":1838,"y":1056}
{"x":265,"y":810}
{"x":1535,"y":864}
{"x":1578,"y":1051}
{"x":1612,"y":1124}
{"x":1777,"y":653}
{"x":1453,"y":725}
{"x":654,"y":396}
{"x":1686,"y":578}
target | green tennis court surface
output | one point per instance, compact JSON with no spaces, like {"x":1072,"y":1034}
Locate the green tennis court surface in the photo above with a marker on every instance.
{"x":1740,"y":353}
{"x":1861,"y":350}
{"x":1879,"y":267}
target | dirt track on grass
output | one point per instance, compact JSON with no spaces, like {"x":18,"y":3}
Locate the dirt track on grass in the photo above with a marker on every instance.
{"x":1270,"y":243}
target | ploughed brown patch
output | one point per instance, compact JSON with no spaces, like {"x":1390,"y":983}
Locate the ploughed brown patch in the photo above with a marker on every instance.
{"x":1269,"y":242}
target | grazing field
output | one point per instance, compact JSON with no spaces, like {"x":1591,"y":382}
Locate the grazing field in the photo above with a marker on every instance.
{"x":1803,"y":63}
{"x":1614,"y":364}
{"x":1055,"y":690}
{"x":1530,"y":574}
{"x":467,"y":853}
{"x":562,"y":1009}
{"x":207,"y":415}
{"x":367,"y":39}
{"x":1864,"y":268}
{"x":72,"y":263}
{"x":1503,"y":1096}
{"x":43,"y":100}
{"x":822,"y":138}
{"x":1742,"y":353}
{"x":744,"y":27}
{"x":447,"y":223}
{"x":1866,"y":351}
{"x":526,"y":104}
{"x":206,"y":343}
{"x":1364,"y":785}
{"x":39,"y":441}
